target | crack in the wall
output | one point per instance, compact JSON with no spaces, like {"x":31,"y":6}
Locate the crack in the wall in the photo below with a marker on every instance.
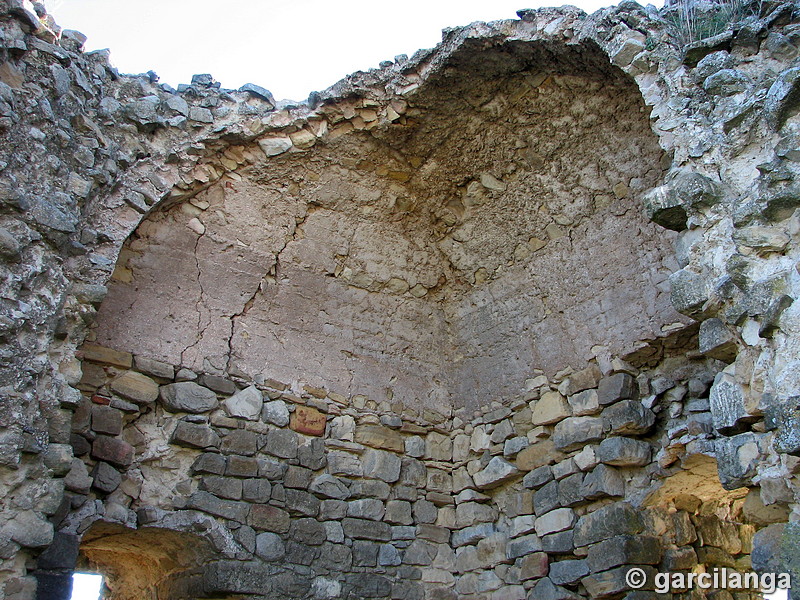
{"x":201,"y":329}
{"x":242,"y":313}
{"x":272,"y":272}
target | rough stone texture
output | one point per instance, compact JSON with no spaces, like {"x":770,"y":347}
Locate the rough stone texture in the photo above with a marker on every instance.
{"x":187,"y":396}
{"x":275,"y":412}
{"x":194,"y":436}
{"x":496,"y":472}
{"x":136,"y":387}
{"x":429,"y":250}
{"x":623,"y":452}
{"x":246,"y":403}
{"x":619,"y":386}
{"x":624,"y":550}
{"x":628,"y":417}
{"x":575,"y":432}
{"x":619,"y":518}
{"x":551,"y":408}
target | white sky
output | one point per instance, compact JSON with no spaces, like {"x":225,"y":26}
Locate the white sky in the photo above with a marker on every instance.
{"x":289,"y":47}
{"x":86,"y":586}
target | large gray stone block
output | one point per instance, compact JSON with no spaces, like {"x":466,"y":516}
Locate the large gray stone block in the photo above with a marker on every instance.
{"x":187,"y":396}
{"x":737,"y":459}
{"x":602,"y":482}
{"x":269,"y":546}
{"x":624,"y":550}
{"x":237,"y":577}
{"x":379,"y":464}
{"x":496,"y":472}
{"x":619,"y":386}
{"x":717,"y":341}
{"x":628,"y":417}
{"x":194,"y":435}
{"x":689,"y":292}
{"x":574,"y":432}
{"x":567,"y":572}
{"x":784,"y":419}
{"x":615,"y":519}
{"x":623,"y":452}
{"x":545,"y":589}
{"x":245,"y":404}
{"x":613,"y":582}
{"x":727,"y":404}
{"x":367,"y":530}
{"x":227,"y":509}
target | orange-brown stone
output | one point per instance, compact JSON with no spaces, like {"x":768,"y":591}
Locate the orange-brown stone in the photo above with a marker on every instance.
{"x":308,"y":420}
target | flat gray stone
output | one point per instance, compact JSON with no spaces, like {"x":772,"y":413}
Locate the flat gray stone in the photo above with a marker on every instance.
{"x":379,"y":464}
{"x":194,"y":435}
{"x":105,"y":478}
{"x":624,"y":550}
{"x":619,"y":518}
{"x":366,"y":508}
{"x":281,"y":443}
{"x":269,"y":546}
{"x":575,"y":432}
{"x":726,"y":401}
{"x":567,"y":572}
{"x":471,"y":535}
{"x":554,"y":521}
{"x":619,"y":386}
{"x":227,"y":509}
{"x":628,"y":417}
{"x":522,"y":546}
{"x":328,"y":486}
{"x":275,"y":412}
{"x":366,"y":529}
{"x":496,"y":472}
{"x":602,"y":482}
{"x":716,"y":340}
{"x":187,"y":396}
{"x":737,"y":459}
{"x":545,"y":589}
{"x":245,"y":404}
{"x":623,"y":452}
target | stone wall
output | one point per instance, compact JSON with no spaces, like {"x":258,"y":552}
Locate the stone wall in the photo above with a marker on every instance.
{"x":286,"y":493}
{"x":443,"y":256}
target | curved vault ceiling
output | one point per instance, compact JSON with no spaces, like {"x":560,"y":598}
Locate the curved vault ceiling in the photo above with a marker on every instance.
{"x":492,"y":230}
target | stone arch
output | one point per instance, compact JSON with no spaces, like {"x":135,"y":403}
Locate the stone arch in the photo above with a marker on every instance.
{"x":711,"y":527}
{"x":502,"y":176}
{"x":145,"y":562}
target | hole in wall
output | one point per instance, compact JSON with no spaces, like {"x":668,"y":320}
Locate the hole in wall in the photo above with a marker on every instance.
{"x":141,"y":563}
{"x":86,"y":586}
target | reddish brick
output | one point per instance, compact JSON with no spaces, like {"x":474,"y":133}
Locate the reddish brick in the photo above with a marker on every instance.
{"x":112,"y":450}
{"x":98,"y":399}
{"x":308,"y":421}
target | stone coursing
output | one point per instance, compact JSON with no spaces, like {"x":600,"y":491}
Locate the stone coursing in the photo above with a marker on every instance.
{"x":573,"y":474}
{"x":340,"y":496}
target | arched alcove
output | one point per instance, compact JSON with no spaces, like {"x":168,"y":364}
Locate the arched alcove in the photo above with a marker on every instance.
{"x":493,"y":229}
{"x":147,"y":562}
